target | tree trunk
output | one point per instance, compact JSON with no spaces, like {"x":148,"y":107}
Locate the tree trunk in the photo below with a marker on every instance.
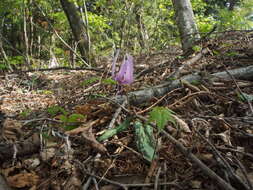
{"x":77,"y":27}
{"x":27,"y":55}
{"x":185,"y":21}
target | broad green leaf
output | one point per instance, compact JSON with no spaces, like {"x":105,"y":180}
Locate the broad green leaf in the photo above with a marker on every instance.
{"x":63,"y":118}
{"x":25,"y":113}
{"x":109,"y":81}
{"x":89,"y":81}
{"x":245,"y":97}
{"x":196,"y":48}
{"x":111,"y":132}
{"x":145,"y":140}
{"x":53,"y":110}
{"x":70,"y":127}
{"x":75,"y":118}
{"x":161,"y":116}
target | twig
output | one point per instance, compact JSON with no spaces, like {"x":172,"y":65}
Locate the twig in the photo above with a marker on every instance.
{"x":63,"y":68}
{"x":107,"y":180}
{"x":238,"y":151}
{"x":223,"y":184}
{"x":244,"y":172}
{"x":239,"y":89}
{"x":158,"y":101}
{"x":116,"y":114}
{"x":148,"y":70}
{"x":40,"y":119}
{"x":224,"y":162}
{"x":152,"y":184}
{"x":188,"y":63}
{"x":157,"y":178}
{"x":87,"y":184}
{"x":95,"y":183}
{"x":187,"y":98}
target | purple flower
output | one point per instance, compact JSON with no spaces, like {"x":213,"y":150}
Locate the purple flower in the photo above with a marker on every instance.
{"x":125,"y":74}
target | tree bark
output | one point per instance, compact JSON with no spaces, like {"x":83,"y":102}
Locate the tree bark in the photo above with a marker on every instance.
{"x":77,"y":27}
{"x":186,"y":24}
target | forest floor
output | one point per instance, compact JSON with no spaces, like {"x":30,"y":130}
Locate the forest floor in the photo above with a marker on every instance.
{"x":51,"y":125}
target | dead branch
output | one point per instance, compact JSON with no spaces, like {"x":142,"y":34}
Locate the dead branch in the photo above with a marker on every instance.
{"x":64,"y":68}
{"x":142,"y":96}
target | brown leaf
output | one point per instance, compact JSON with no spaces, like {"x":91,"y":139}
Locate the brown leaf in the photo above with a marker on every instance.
{"x":23,"y":180}
{"x":182,"y":124}
{"x":90,"y":138}
{"x":11,"y":129}
{"x":94,"y":109}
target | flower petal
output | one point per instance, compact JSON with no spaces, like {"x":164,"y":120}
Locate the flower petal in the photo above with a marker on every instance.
{"x":125,"y":75}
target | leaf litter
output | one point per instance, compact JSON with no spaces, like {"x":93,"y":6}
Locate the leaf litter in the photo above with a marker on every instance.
{"x":76,"y":150}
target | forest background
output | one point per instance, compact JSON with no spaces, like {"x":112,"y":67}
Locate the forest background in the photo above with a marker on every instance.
{"x":37,"y":33}
{"x":177,"y":112}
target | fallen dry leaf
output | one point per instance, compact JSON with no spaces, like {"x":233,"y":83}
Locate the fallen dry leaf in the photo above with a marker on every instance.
{"x":11,"y":129}
{"x":23,"y":180}
{"x":90,"y":138}
{"x":182,"y":124}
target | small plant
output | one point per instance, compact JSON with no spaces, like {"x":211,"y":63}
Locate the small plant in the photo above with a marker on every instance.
{"x":145,"y":140}
{"x":109,"y":81}
{"x":196,"y":48}
{"x":245,"y":97}
{"x":54,"y":110}
{"x":71,"y":122}
{"x":161,"y":116}
{"x":89,"y":81}
{"x":25,"y":113}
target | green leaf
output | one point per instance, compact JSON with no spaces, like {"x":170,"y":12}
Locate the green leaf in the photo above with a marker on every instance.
{"x":89,"y":81}
{"x":63,"y":118}
{"x":109,"y":81}
{"x":196,"y":48}
{"x":53,"y":110}
{"x":75,"y":118}
{"x":245,"y":97}
{"x":161,"y":116}
{"x":111,"y":132}
{"x":25,"y":113}
{"x":145,"y":140}
{"x":70,"y":127}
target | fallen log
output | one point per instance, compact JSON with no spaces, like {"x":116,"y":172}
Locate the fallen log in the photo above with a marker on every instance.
{"x":142,"y":96}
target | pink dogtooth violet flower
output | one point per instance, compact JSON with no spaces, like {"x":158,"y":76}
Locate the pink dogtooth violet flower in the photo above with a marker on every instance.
{"x":125,"y":74}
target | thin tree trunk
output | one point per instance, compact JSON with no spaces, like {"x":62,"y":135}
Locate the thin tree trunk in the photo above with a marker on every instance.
{"x":26,"y":38}
{"x":31,"y":29}
{"x":77,"y":27}
{"x":4,"y":54}
{"x":142,"y":31}
{"x":185,"y":21}
{"x":39,"y":46}
{"x":85,"y":20}
{"x":2,"y":49}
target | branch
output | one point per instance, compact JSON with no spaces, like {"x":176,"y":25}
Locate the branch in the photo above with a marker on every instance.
{"x":63,"y":68}
{"x":142,"y":96}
